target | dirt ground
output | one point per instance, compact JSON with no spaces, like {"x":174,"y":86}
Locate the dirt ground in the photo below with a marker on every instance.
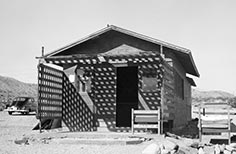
{"x":15,"y":127}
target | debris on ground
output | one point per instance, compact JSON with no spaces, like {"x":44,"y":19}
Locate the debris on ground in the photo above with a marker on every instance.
{"x":23,"y":141}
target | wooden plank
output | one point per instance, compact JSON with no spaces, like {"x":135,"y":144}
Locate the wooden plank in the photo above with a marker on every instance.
{"x":214,"y":123}
{"x":205,"y":122}
{"x":145,"y":112}
{"x":146,"y":126}
{"x":216,"y":126}
{"x":214,"y":130}
{"x":52,"y":80}
{"x":142,"y":101}
{"x":215,"y":112}
{"x":51,"y":87}
{"x":146,"y":119}
{"x":132,"y":121}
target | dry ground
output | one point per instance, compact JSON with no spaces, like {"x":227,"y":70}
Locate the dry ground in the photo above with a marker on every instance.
{"x":15,"y":127}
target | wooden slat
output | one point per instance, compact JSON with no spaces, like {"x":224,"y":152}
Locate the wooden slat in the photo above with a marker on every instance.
{"x":214,"y":130}
{"x":50,"y":92}
{"x":145,"y":112}
{"x":215,"y":126}
{"x":145,"y":126}
{"x":205,"y":122}
{"x":214,"y":123}
{"x":146,"y":119}
{"x":215,"y":112}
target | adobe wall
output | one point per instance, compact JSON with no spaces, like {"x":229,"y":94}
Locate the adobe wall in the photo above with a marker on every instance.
{"x":182,"y":107}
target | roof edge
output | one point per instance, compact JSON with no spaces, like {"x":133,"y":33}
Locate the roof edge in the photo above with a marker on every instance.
{"x":131,"y":33}
{"x":194,"y":65}
{"x":122,"y":30}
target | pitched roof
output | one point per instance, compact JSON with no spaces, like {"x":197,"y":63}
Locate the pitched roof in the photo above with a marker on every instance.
{"x":183,"y":54}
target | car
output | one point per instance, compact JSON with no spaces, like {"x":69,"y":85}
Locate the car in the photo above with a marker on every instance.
{"x":23,"y":105}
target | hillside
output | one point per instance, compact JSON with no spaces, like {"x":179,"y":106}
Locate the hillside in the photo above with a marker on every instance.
{"x":199,"y":96}
{"x":211,"y":94}
{"x":10,"y":88}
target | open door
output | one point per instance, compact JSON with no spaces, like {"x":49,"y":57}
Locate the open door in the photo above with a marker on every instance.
{"x":126,"y":94}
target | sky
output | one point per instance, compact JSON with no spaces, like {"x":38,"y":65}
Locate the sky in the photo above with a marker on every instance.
{"x":206,"y":27}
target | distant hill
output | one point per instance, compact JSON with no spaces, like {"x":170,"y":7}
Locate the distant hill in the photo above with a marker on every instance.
{"x":211,"y":94}
{"x":10,"y":88}
{"x":199,"y":96}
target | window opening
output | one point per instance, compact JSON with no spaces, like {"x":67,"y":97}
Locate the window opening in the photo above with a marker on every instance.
{"x":149,"y":79}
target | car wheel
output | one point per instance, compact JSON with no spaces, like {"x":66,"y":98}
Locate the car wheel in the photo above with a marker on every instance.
{"x":10,"y":113}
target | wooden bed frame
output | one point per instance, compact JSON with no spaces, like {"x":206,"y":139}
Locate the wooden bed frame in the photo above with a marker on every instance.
{"x":146,"y":119}
{"x":210,"y":122}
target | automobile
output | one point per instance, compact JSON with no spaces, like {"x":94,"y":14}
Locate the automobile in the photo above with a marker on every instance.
{"x":23,"y":105}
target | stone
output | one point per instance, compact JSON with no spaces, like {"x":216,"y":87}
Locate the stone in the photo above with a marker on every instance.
{"x":152,"y":149}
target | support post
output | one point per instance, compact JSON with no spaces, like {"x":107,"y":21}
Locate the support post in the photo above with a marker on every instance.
{"x":159,"y":120}
{"x":199,"y":123}
{"x":132,"y":121}
{"x":39,"y":104}
{"x":229,"y":122}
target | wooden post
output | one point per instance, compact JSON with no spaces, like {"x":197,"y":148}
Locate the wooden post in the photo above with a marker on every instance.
{"x":39,"y":105}
{"x":200,"y":123}
{"x":162,"y":53}
{"x":42,"y":51}
{"x":159,"y":120}
{"x":229,"y":122}
{"x":132,"y":121}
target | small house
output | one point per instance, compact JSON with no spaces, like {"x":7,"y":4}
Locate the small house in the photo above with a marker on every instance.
{"x":111,"y":71}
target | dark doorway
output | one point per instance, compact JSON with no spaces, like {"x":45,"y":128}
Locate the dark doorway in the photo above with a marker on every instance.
{"x":126,"y":94}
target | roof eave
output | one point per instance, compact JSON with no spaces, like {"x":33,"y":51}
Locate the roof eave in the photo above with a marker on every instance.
{"x":131,"y":33}
{"x":115,"y":28}
{"x":197,"y":74}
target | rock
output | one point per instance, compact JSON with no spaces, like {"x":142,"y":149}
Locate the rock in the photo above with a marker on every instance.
{"x":201,"y":151}
{"x":227,"y":152}
{"x":164,"y":151}
{"x":233,"y":145}
{"x":22,"y":141}
{"x":222,"y":148}
{"x":217,"y":149}
{"x":229,"y":148}
{"x":152,"y":149}
{"x":169,"y":145}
